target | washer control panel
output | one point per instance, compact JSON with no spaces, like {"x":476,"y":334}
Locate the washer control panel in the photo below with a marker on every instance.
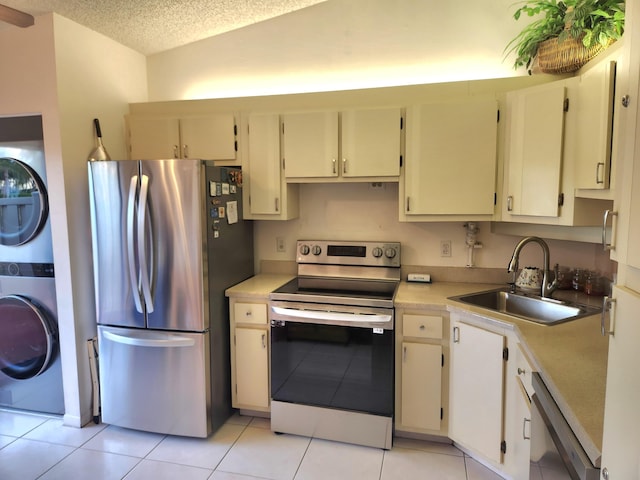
{"x":373,"y":254}
{"x":15,"y":269}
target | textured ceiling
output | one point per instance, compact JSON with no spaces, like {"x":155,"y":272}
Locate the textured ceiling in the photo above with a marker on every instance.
{"x":152,"y":26}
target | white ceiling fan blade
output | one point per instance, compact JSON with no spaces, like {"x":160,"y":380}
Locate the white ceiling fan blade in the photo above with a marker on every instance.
{"x":15,"y":17}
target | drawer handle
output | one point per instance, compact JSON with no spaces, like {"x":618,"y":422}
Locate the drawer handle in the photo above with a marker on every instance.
{"x":264,"y":344}
{"x":422,"y":327}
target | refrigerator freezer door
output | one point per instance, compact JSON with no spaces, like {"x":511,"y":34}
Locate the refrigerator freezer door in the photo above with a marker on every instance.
{"x":172,"y":253}
{"x":113,"y":194}
{"x":155,"y":381}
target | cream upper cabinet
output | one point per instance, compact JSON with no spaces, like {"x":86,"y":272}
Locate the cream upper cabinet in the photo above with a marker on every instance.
{"x":371,"y":143}
{"x":534,"y":150}
{"x":450,"y":162}
{"x":151,"y":137}
{"x":210,"y":137}
{"x":311,"y":144}
{"x":595,"y":121}
{"x":348,"y":145}
{"x":477,"y":389}
{"x":267,"y":196}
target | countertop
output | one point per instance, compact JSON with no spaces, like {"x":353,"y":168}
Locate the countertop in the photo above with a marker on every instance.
{"x":571,"y":357}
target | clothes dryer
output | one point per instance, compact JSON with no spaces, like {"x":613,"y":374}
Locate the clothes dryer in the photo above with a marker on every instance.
{"x":25,"y":230}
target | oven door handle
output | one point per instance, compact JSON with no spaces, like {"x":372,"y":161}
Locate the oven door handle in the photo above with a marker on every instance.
{"x":331,"y":316}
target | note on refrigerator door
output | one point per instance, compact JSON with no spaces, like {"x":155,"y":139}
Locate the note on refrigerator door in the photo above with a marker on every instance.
{"x":232,"y":212}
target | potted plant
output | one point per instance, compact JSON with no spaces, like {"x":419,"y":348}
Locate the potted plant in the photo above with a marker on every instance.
{"x":568,"y":34}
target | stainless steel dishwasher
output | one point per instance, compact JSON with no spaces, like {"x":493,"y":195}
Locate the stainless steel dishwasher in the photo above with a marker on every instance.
{"x":554,"y":446}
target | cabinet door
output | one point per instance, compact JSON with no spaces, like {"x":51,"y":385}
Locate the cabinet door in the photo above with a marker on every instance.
{"x":151,"y":138}
{"x":451,"y":158}
{"x":421,"y":385}
{"x":621,"y":437}
{"x":208,"y":138}
{"x":595,"y":122}
{"x":371,"y":143}
{"x":476,"y":389}
{"x":311,"y":145}
{"x":534,"y":153}
{"x":264,"y":174}
{"x":252,"y":367}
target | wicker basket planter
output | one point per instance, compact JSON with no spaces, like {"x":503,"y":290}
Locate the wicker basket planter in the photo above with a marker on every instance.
{"x":564,"y":56}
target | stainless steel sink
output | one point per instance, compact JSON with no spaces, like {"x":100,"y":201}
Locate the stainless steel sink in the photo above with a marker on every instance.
{"x":545,"y":311}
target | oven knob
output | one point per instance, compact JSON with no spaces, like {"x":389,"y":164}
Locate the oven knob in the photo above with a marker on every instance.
{"x":316,"y":250}
{"x":390,"y":253}
{"x":377,"y":252}
{"x":304,"y":249}
{"x":13,"y":269}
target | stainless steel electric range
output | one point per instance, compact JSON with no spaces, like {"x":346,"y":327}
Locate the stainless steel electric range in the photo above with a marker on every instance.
{"x":332,"y":343}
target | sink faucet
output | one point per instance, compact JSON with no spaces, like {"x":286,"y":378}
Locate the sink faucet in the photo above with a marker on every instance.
{"x":547,"y":287}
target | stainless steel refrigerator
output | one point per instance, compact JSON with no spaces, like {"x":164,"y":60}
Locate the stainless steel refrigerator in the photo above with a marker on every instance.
{"x":168,"y":239}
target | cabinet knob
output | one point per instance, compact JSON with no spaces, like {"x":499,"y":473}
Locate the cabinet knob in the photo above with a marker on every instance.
{"x":605,"y":473}
{"x":248,"y":313}
{"x":422,"y":327}
{"x":521,"y":371}
{"x":626,"y":101}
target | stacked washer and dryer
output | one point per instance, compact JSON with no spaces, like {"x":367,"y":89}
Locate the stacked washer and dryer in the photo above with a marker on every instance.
{"x":30,"y":367}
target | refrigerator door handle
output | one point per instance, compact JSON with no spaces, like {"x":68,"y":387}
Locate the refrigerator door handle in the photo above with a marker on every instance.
{"x":169,"y":340}
{"x":145,"y":272}
{"x":131,"y":263}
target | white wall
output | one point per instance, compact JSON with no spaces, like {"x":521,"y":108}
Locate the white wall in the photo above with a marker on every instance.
{"x":69,"y":75}
{"x":344,"y":44}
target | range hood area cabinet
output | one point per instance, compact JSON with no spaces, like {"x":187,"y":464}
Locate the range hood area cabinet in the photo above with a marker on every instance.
{"x":450,"y":163}
{"x":209,"y":137}
{"x":267,"y":196}
{"x":350,"y":145}
{"x":557,"y":139}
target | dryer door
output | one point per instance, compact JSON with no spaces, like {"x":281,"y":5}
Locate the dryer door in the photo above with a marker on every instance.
{"x":23,"y":202}
{"x":26,"y":338}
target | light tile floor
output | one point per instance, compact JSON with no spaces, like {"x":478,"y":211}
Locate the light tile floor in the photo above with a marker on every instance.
{"x":40,"y":447}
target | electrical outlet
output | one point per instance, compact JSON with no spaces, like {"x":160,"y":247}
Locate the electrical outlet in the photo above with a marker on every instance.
{"x":445,"y":248}
{"x":280,"y":245}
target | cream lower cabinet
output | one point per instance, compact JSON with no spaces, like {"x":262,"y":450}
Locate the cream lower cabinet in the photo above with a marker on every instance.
{"x":249,"y":355}
{"x":421,"y":384}
{"x":518,"y":413}
{"x":476,"y":395}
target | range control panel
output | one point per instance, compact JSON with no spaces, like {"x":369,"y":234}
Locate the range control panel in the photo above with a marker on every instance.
{"x":371,"y":254}
{"x":15,"y":269}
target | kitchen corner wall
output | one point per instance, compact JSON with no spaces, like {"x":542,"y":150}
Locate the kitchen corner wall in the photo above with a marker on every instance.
{"x":356,"y":211}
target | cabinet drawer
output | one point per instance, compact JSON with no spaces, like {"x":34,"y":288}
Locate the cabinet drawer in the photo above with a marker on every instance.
{"x":255,"y":313}
{"x":424,"y":326}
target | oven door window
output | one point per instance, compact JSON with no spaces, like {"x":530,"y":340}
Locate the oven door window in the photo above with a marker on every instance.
{"x":347,"y":368}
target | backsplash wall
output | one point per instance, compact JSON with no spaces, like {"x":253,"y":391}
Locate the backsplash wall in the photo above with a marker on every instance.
{"x":356,"y":211}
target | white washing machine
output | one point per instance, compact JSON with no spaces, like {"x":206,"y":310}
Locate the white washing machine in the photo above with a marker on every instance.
{"x":30,"y":370}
